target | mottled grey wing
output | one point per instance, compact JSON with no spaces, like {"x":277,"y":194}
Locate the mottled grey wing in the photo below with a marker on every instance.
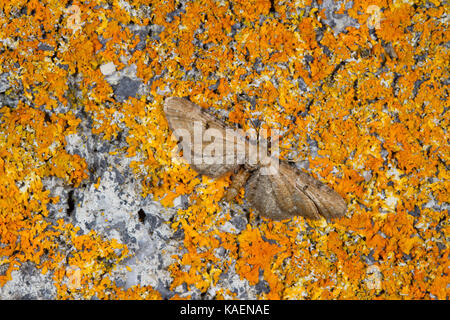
{"x":184,"y":115}
{"x":290,"y":192}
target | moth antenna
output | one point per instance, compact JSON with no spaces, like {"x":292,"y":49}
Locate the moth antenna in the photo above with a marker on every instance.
{"x":295,"y":160}
{"x":286,"y":148}
{"x":291,"y":160}
{"x":251,"y":120}
{"x":277,"y":139}
{"x":285,"y":134}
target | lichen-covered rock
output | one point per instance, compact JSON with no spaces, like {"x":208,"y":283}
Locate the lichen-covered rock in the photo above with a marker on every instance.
{"x":95,"y":205}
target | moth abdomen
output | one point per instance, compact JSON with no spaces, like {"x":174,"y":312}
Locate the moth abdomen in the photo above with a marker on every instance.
{"x":239,"y":180}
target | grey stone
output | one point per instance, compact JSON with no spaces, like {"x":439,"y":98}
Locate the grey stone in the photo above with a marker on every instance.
{"x":108,"y":68}
{"x":126,"y":88}
{"x":154,"y":221}
{"x":45,"y":47}
{"x":415,"y":212}
{"x":155,"y":31}
{"x":28,"y":283}
{"x":338,"y":22}
{"x":313,"y":147}
{"x":4,"y":82}
{"x":302,"y":84}
{"x":239,"y":222}
{"x":262,"y":287}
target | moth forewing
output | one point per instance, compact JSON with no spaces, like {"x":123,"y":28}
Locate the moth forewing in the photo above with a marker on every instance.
{"x":235,"y":147}
{"x":197,"y":147}
{"x":213,"y":150}
{"x":184,"y":144}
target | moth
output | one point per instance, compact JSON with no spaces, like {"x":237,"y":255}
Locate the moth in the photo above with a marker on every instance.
{"x":273,"y":187}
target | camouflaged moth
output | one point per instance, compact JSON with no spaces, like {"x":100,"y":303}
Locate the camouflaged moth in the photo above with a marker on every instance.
{"x":274,"y":188}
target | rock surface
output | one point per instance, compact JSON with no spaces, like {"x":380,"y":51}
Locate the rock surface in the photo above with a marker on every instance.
{"x":110,"y":202}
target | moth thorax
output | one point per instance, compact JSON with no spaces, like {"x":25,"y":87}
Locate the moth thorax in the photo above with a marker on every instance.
{"x":250,"y":167}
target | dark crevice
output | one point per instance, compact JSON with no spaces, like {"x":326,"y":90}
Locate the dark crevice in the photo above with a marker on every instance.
{"x":70,"y":203}
{"x":141,"y":215}
{"x":272,"y":6}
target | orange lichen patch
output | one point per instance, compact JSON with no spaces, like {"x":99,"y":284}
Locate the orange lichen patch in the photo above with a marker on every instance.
{"x":88,"y":266}
{"x":31,"y":149}
{"x":375,"y":105}
{"x":256,"y":255}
